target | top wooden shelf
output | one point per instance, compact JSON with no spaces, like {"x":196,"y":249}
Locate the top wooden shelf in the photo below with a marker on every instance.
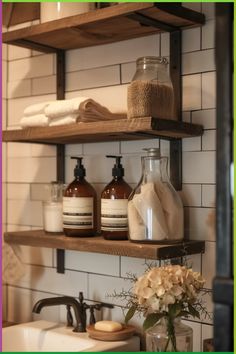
{"x":112,"y":130}
{"x":111,"y":24}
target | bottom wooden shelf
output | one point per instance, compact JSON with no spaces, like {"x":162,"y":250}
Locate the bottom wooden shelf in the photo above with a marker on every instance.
{"x":96,"y":244}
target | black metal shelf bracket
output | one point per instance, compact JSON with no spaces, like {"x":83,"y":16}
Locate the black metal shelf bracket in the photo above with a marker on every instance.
{"x":60,"y":165}
{"x":148,"y":21}
{"x":175,"y":73}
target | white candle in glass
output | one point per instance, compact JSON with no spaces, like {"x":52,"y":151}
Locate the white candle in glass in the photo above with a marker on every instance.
{"x":52,"y":216}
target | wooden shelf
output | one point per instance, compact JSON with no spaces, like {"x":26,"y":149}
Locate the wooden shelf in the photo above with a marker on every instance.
{"x":133,"y":129}
{"x":97,"y":244}
{"x":108,"y":25}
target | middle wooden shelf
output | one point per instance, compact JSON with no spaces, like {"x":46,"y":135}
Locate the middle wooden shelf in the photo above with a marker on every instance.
{"x":124,"y":129}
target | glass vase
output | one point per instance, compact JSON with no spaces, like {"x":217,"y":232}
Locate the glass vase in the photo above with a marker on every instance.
{"x":159,"y":338}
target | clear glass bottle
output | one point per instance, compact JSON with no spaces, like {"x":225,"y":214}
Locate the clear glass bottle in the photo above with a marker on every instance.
{"x":155,"y":210}
{"x":150,"y":93}
{"x":159,"y":340}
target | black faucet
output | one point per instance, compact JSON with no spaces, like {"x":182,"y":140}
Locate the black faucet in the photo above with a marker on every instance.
{"x":79,"y":308}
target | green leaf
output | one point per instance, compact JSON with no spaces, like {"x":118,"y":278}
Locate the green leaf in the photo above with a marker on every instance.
{"x":193,"y":312}
{"x":175,"y":309}
{"x":152,"y":319}
{"x":130,"y":314}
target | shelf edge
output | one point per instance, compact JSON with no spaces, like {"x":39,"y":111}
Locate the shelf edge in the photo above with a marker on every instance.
{"x":38,"y":238}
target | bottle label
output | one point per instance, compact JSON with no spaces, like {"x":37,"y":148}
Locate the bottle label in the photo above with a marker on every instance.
{"x":77,"y":213}
{"x":114,"y":214}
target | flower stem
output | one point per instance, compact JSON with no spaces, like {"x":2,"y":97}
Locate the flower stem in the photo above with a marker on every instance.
{"x":171,"y":333}
{"x":167,"y":343}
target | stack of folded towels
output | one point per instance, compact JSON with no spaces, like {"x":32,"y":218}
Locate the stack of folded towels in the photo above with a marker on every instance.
{"x":76,"y":110}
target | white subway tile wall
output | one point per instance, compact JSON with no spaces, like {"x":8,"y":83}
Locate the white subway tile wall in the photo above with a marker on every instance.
{"x":208,"y":35}
{"x":199,"y":167}
{"x":30,"y":67}
{"x":4,"y":203}
{"x":192,"y":144}
{"x":15,"y":53}
{"x":44,"y":85}
{"x":102,"y":73}
{"x":110,"y":54}
{"x":206,"y":117}
{"x":19,"y":88}
{"x":209,"y":90}
{"x":208,"y":195}
{"x":209,"y":140}
{"x":98,"y":263}
{"x":4,"y":79}
{"x":31,"y":169}
{"x":199,"y":61}
{"x":191,"y":40}
{"x":36,"y":255}
{"x":191,"y":195}
{"x":4,"y":302}
{"x":4,"y":52}
{"x":18,"y":191}
{"x":97,"y":77}
{"x":192,"y":92}
{"x":4,"y":113}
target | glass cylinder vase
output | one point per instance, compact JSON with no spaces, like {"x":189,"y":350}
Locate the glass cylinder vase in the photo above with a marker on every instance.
{"x":160,"y":338}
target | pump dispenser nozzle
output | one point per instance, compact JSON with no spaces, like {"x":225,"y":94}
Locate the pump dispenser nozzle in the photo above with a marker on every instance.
{"x":118,"y":170}
{"x":79,"y":170}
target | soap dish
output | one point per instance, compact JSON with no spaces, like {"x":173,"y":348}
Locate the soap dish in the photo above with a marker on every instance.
{"x":124,"y":333}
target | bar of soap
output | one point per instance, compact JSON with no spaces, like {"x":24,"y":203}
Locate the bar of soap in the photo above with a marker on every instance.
{"x":108,"y":326}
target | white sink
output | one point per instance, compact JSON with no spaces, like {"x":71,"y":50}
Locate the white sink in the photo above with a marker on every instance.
{"x":43,"y":336}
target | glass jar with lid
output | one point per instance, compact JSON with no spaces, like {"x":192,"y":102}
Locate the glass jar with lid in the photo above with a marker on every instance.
{"x":150,"y":93}
{"x":155,"y":210}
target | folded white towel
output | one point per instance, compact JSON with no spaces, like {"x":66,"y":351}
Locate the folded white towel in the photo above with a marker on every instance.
{"x":90,"y":111}
{"x":69,"y":119}
{"x":81,"y":109}
{"x":34,"y":109}
{"x":38,"y":120}
{"x":64,"y":107}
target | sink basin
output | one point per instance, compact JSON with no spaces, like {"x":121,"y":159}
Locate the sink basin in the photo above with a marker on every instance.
{"x":44,"y":336}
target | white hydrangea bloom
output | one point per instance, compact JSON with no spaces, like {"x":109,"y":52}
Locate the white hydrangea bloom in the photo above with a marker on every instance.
{"x":160,"y":287}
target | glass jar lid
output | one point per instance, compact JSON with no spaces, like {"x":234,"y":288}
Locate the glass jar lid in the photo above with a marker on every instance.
{"x":152,"y":60}
{"x":153,"y":152}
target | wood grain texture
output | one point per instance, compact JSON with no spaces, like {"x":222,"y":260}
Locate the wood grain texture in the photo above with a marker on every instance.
{"x":133,"y":129}
{"x":100,"y":26}
{"x":15,"y":13}
{"x":96,"y":244}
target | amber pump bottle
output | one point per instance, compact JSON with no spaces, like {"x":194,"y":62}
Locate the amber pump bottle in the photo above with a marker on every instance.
{"x":114,"y":203}
{"x":79,"y":205}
